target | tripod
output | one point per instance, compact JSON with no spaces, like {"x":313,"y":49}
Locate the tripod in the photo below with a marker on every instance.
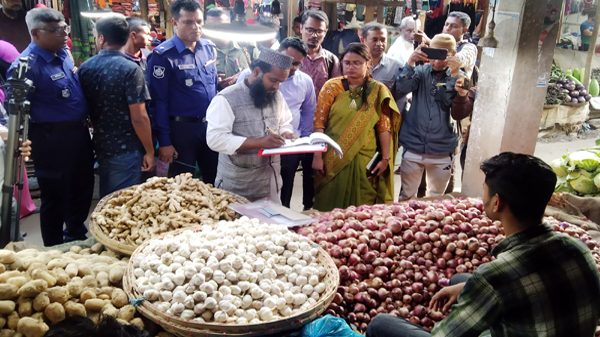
{"x":18,"y":88}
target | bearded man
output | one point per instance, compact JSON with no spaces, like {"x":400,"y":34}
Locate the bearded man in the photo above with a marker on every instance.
{"x":246,"y":117}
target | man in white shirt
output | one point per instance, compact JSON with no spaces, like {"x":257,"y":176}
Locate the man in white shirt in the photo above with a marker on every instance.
{"x":299,"y":94}
{"x":247,"y":117}
{"x":403,"y":47}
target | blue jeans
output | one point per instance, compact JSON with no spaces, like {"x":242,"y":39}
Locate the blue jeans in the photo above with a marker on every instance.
{"x":120,"y":171}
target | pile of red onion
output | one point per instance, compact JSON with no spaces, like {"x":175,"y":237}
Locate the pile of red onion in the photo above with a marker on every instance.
{"x":393,"y":258}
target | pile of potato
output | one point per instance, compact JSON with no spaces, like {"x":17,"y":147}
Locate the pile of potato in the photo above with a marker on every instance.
{"x":161,"y":205}
{"x":41,"y":288}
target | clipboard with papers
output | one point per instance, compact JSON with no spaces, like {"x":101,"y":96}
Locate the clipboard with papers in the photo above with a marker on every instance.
{"x":316,"y":142}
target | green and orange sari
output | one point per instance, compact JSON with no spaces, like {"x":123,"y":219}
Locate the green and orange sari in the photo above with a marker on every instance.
{"x":355,"y":127}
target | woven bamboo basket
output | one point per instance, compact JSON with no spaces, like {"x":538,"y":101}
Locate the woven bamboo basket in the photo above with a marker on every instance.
{"x":118,"y":246}
{"x":185,"y":328}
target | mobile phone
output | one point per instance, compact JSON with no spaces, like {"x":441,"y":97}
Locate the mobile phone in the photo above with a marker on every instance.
{"x":373,"y":163}
{"x":435,"y":53}
{"x":466,"y":83}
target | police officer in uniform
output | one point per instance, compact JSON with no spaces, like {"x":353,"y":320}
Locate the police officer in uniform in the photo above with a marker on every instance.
{"x":62,"y":154}
{"x":183,"y":80}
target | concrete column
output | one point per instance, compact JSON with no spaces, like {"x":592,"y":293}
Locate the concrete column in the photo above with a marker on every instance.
{"x":512,"y":87}
{"x":380,"y":17}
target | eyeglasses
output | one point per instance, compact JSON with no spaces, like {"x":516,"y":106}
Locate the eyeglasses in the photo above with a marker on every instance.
{"x":312,"y":31}
{"x":58,"y":30}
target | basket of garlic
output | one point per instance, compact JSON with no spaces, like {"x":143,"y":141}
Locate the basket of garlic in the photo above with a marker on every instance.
{"x":124,"y":219}
{"x":239,"y":278}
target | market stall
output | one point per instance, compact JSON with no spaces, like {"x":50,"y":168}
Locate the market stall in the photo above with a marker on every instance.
{"x":246,"y":278}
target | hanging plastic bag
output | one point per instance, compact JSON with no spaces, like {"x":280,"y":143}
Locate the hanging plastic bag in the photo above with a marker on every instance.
{"x":328,"y":326}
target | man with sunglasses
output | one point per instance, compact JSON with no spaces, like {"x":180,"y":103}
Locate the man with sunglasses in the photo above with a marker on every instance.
{"x":182,"y":77}
{"x":62,"y":154}
{"x":320,"y":64}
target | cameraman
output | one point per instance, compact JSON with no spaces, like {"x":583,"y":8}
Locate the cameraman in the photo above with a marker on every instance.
{"x":427,"y":135}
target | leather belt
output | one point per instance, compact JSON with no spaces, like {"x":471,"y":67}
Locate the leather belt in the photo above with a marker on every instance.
{"x":187,"y":119}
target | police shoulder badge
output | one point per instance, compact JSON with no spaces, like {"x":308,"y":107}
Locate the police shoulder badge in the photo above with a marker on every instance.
{"x":159,"y":72}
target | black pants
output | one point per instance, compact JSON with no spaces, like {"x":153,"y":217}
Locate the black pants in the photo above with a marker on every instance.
{"x":392,"y":326}
{"x":289,"y":165}
{"x":189,"y":140}
{"x":63,"y":160}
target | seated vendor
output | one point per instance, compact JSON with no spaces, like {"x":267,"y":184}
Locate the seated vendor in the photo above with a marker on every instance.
{"x":542,"y":283}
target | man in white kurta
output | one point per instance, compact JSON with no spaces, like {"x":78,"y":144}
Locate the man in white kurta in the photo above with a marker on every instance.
{"x":247,"y":117}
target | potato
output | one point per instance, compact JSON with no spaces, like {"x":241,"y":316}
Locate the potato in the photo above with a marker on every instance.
{"x":31,"y":327}
{"x":8,"y":291}
{"x":8,"y":275}
{"x":75,"y":249}
{"x":89,"y":281}
{"x":62,"y":278}
{"x":122,"y":321}
{"x":75,"y":309}
{"x":55,"y":312}
{"x":7,"y":333}
{"x":119,"y":298}
{"x":40,"y":302}
{"x":39,"y":316}
{"x":97,"y":248}
{"x":115,"y":276}
{"x":44,"y":275}
{"x":35,"y":266}
{"x":7,"y":256}
{"x":25,"y":307}
{"x":104,"y":297}
{"x":138,"y":323}
{"x":102,"y":279}
{"x":126,"y":313}
{"x":32,"y":288}
{"x":18,"y":281}
{"x":58,"y":294}
{"x":6,"y":307}
{"x":105,"y":290}
{"x":85,"y":251}
{"x":75,"y":288}
{"x":2,"y":268}
{"x":95,"y":317}
{"x":58,"y":263}
{"x":84,"y":269}
{"x":72,"y":269}
{"x":94,"y":304}
{"x":2,"y":322}
{"x":110,"y":310}
{"x":87,"y":295}
{"x":12,"y":320}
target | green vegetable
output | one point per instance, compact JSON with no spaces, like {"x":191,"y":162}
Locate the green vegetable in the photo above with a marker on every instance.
{"x":558,"y":166}
{"x":577,"y":74}
{"x":597,"y":181}
{"x":584,"y":185}
{"x":572,"y":78}
{"x":585,"y":160}
{"x":569,"y":72}
{"x":594,"y":88}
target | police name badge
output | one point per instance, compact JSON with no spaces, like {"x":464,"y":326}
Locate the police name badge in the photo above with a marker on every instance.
{"x":65,"y":93}
{"x":57,"y":76}
{"x":189,"y":82}
{"x":186,"y":66}
{"x":158,"y":72}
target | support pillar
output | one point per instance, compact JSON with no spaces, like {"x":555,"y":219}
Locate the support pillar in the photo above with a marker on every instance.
{"x":512,"y":86}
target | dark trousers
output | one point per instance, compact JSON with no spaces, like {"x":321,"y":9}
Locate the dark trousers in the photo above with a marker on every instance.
{"x":63,"y":160}
{"x":289,"y":165}
{"x":392,"y":326}
{"x":189,"y":140}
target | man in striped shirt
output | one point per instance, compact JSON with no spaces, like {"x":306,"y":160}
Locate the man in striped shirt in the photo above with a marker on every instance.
{"x":542,"y":283}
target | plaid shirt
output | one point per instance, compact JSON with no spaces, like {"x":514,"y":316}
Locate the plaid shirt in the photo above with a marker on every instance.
{"x":542,"y":283}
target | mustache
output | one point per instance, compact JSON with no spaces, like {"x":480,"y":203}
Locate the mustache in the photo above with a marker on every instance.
{"x":260,"y":97}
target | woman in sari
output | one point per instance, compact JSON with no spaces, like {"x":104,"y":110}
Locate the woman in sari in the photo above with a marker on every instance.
{"x":361,"y":115}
